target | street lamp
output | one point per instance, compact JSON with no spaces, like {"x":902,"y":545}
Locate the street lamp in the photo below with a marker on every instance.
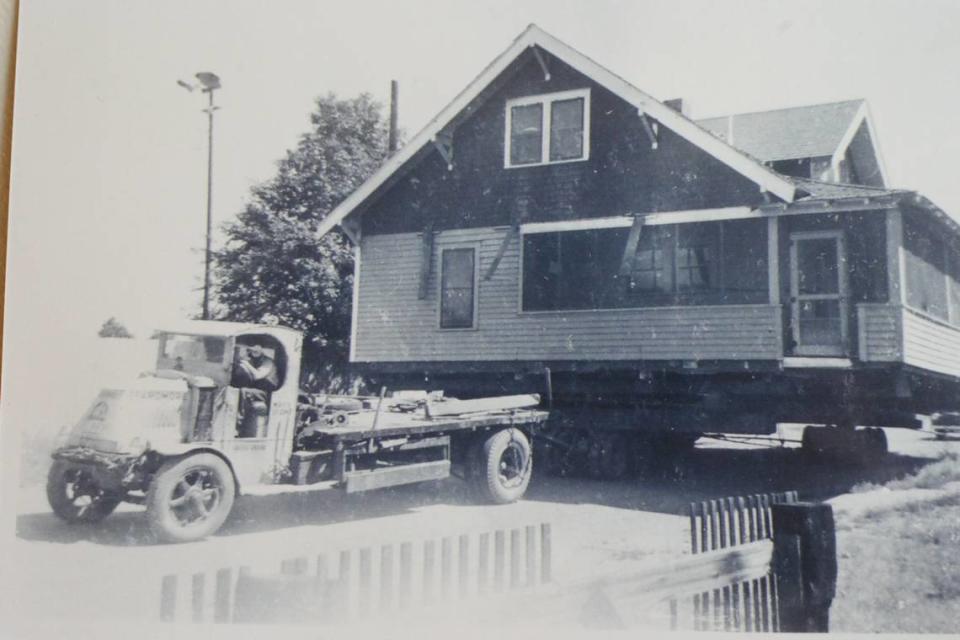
{"x":209,"y":82}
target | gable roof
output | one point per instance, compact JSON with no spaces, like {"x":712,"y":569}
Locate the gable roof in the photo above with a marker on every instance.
{"x":786,"y":134}
{"x":766,"y":178}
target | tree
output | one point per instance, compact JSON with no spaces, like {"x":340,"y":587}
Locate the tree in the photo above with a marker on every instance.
{"x":273,"y":268}
{"x":113,"y":329}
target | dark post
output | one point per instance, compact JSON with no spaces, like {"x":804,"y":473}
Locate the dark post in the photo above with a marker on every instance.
{"x":394,"y":91}
{"x":805,"y":562}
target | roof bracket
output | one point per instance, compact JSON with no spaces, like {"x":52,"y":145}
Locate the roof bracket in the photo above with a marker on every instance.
{"x":512,"y":232}
{"x":351,"y":229}
{"x":443,"y":141}
{"x":542,"y":62}
{"x":648,"y":128}
{"x":630,"y":250}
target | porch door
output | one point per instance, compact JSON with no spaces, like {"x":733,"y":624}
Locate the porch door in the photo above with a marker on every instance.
{"x":818,"y":293}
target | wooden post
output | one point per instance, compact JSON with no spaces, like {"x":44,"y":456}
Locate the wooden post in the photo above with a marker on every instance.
{"x":546,"y":554}
{"x":446,"y":566}
{"x":514,"y":558}
{"x":806,"y":594}
{"x":693,"y":527}
{"x":463,"y":565}
{"x":530,"y":555}
{"x":483,"y":563}
{"x":386,"y":577}
{"x":196,"y":600}
{"x":343,"y":585}
{"x":703,"y":528}
{"x":365,"y":579}
{"x":406,"y":573}
{"x":499,"y":544}
{"x":221,"y":601}
{"x":322,"y":584}
{"x":168,"y":598}
{"x":429,"y":569}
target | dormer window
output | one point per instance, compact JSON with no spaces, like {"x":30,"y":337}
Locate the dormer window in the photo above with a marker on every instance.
{"x":547,"y":129}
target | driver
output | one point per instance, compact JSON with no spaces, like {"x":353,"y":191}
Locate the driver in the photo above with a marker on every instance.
{"x":256,"y":374}
{"x":257,"y":370}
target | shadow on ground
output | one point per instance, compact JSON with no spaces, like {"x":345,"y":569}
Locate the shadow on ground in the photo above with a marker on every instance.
{"x":702,"y":474}
{"x":705,"y":474}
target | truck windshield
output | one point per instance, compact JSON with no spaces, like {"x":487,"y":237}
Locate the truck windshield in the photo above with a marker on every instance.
{"x":194,"y":348}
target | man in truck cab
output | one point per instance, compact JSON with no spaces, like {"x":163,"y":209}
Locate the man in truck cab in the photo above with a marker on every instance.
{"x":255,"y":373}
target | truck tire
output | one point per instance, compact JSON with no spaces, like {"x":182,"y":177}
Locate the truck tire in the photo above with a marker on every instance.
{"x":75,"y":495}
{"x":502,"y":465}
{"x":190,"y":498}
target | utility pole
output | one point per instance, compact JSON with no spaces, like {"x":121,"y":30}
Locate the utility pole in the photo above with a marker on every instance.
{"x":209,"y":82}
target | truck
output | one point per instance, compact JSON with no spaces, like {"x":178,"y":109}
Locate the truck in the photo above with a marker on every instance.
{"x":188,"y":438}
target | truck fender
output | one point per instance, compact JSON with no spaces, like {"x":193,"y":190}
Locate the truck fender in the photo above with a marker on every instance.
{"x":164,"y":458}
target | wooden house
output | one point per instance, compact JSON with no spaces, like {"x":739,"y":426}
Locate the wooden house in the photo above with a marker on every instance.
{"x":719,"y":275}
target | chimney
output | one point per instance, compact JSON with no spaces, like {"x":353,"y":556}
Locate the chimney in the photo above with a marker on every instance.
{"x":676,"y":104}
{"x":392,"y":143}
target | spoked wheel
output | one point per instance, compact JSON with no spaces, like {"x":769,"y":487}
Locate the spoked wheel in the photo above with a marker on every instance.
{"x":190,"y":498}
{"x":502,"y":466}
{"x":75,"y":495}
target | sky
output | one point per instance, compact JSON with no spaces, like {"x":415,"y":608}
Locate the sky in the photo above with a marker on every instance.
{"x":107,"y":210}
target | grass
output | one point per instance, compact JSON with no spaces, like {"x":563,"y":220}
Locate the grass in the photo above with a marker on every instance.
{"x":897,"y":566}
{"x":935,"y":475}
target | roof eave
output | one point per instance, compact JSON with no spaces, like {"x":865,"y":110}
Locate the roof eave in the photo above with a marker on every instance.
{"x":765,"y":178}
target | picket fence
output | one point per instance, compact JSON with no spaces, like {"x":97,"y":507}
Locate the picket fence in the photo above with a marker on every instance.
{"x":368,"y":580}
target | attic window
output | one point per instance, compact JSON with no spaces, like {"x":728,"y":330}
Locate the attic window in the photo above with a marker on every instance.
{"x":547,"y":129}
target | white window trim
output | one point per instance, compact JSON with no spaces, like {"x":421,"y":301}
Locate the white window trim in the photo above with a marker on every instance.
{"x":546,"y":99}
{"x":476,"y":286}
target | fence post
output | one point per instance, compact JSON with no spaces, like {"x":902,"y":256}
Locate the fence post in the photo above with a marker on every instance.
{"x":805,"y":552}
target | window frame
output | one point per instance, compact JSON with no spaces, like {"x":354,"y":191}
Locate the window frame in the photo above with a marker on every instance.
{"x":476,"y":286}
{"x":673,"y":219}
{"x":546,"y":100}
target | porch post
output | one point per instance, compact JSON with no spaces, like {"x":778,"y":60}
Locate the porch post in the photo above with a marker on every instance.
{"x":773,"y":259}
{"x":895,"y":262}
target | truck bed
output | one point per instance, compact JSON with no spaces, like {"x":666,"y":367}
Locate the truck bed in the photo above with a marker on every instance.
{"x":391,"y":424}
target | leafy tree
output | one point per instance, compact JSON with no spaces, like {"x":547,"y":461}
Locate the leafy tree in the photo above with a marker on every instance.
{"x":113,"y":329}
{"x":273,"y":268}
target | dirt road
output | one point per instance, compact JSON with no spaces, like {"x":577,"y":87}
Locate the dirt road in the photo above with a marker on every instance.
{"x":112,"y":569}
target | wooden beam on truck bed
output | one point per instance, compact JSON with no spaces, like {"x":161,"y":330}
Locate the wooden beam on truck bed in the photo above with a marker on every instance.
{"x":404,"y":425}
{"x":480,"y":405}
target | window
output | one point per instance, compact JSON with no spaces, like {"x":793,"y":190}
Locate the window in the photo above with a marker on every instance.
{"x":457,"y":288}
{"x":697,"y":248}
{"x":548,"y":128}
{"x":706,"y":263}
{"x":653,"y":262}
{"x":925,"y":271}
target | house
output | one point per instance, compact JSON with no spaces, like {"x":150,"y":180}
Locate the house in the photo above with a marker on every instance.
{"x":737,"y":271}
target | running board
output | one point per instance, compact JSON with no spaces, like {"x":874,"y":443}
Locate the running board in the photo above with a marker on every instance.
{"x":357,"y":481}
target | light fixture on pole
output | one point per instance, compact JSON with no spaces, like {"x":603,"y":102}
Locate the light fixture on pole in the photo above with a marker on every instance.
{"x":209,"y":82}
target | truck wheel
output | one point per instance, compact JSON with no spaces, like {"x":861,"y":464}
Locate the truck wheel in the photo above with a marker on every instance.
{"x":190,"y":498}
{"x":75,"y":495}
{"x":503,"y":464}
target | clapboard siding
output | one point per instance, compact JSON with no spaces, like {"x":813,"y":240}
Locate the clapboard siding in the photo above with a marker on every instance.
{"x":393,"y":325}
{"x":880,"y":332}
{"x":930,"y":344}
